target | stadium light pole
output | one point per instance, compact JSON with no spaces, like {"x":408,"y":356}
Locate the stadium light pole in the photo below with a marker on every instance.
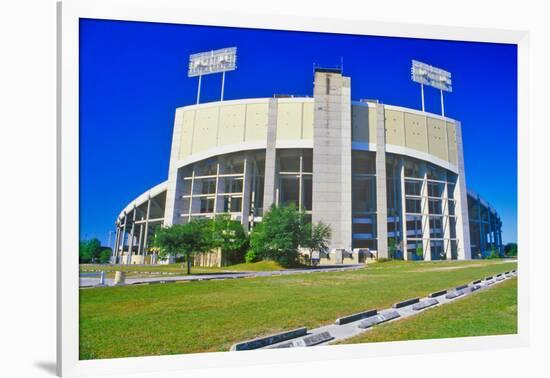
{"x":424,"y":74}
{"x":210,"y":62}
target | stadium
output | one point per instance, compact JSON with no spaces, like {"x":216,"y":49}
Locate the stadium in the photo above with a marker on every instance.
{"x":387,"y":179}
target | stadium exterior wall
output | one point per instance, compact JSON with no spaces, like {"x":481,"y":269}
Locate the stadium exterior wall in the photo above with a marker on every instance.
{"x":384,"y":177}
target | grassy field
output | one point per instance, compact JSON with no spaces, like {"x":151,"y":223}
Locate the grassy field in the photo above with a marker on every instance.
{"x":491,"y":312}
{"x":211,"y":315}
{"x":135,"y":271}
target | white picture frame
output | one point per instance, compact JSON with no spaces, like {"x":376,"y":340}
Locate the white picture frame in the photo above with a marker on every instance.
{"x":69,"y":12}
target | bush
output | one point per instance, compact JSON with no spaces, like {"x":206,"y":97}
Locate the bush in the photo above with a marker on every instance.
{"x":105,"y":256}
{"x":492,"y":254}
{"x":250,"y":256}
{"x":511,"y":249}
{"x":279,"y":234}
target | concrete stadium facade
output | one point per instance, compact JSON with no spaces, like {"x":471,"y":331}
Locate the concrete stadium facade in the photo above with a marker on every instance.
{"x":384,"y":177}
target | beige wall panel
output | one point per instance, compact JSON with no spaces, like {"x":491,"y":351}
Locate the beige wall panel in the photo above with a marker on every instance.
{"x":186,"y":134}
{"x":363,"y":125}
{"x":256,"y":122}
{"x":437,"y":140}
{"x":395,"y":131}
{"x":451,"y":136}
{"x":415,"y":132}
{"x":307,"y":120}
{"x":289,"y":120}
{"x":206,"y":125}
{"x":231,"y":128}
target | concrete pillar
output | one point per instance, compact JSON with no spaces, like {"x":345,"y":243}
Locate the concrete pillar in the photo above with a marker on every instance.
{"x":131,"y":242}
{"x":481,"y":225}
{"x":446,"y":224}
{"x":381,"y":184}
{"x":425,"y":210}
{"x":140,"y":242}
{"x":270,"y":156}
{"x":247,"y":182}
{"x":403,"y":214}
{"x":146,"y":236}
{"x":115,"y":247}
{"x":332,"y":156}
{"x":461,"y":202}
{"x":218,"y":202}
{"x":122,"y":239}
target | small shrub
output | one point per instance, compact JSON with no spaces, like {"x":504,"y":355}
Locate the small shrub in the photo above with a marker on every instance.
{"x":250,"y":256}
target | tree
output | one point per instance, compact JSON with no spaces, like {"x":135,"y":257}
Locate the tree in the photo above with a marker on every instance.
{"x":420,"y":252}
{"x":105,"y":255}
{"x":511,"y":249}
{"x":392,"y":247}
{"x":188,"y":239}
{"x":279,"y":234}
{"x":89,"y":251}
{"x":229,"y":235}
{"x":316,"y":238}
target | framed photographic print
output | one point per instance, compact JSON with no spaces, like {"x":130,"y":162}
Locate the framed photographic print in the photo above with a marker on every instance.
{"x":283,"y":189}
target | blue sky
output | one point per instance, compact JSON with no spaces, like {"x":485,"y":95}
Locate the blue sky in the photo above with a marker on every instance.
{"x":134,"y":74}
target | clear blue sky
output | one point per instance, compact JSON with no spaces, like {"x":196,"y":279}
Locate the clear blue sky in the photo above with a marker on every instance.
{"x":134,"y":74}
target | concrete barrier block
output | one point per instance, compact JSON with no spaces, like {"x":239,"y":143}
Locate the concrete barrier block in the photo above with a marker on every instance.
{"x":377,"y":319}
{"x":461,"y":287}
{"x":438,"y":293}
{"x":500,"y":278}
{"x":406,"y":303}
{"x":476,"y":282}
{"x":355,"y":317}
{"x":454,"y":294}
{"x":425,"y":304}
{"x":488,"y":278}
{"x":317,"y":338}
{"x":261,"y":342}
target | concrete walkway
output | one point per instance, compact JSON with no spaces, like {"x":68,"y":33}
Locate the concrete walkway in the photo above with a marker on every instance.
{"x":341,"y":332}
{"x":92,"y":279}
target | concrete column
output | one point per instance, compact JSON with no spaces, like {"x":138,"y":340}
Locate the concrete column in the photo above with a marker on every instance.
{"x":131,"y":242}
{"x":247,"y":183}
{"x":140,"y":241}
{"x":218,"y":205}
{"x":461,"y":203}
{"x":381,"y":184}
{"x":446,"y":224}
{"x":270,"y":156}
{"x":332,"y":156}
{"x":146,"y":236}
{"x":115,"y":247}
{"x":403,"y":214}
{"x":481,"y":225}
{"x":122,"y":238}
{"x":424,"y":205}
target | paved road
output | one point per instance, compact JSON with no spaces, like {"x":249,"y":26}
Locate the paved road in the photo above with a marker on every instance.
{"x":92,"y":279}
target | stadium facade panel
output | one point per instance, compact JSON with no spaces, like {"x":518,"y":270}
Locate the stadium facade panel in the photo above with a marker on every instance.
{"x":387,"y":178}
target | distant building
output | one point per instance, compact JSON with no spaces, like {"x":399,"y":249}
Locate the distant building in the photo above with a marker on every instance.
{"x":384,"y":177}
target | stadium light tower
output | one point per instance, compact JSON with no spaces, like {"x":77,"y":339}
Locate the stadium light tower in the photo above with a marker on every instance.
{"x":211,"y":62}
{"x":424,"y":74}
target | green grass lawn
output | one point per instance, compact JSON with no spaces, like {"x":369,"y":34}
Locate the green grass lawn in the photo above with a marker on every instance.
{"x":489,"y":312}
{"x":211,"y":315}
